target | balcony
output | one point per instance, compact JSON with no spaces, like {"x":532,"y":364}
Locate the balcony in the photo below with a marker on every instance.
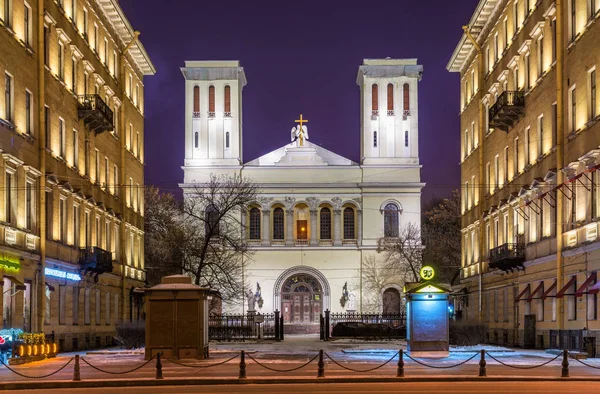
{"x":507,"y":257}
{"x":509,"y":107}
{"x":95,"y":260}
{"x":95,"y":113}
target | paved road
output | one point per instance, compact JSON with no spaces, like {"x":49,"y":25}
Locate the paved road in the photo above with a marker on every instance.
{"x":344,"y":388}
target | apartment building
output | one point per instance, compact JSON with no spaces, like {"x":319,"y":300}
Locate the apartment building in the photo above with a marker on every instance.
{"x":530,"y":136}
{"x":71,"y":168}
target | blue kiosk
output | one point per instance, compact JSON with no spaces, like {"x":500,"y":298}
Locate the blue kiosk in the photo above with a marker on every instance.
{"x":427,"y":316}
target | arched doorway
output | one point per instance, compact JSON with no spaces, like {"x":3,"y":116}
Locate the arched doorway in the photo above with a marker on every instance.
{"x":391,"y":301}
{"x":301,"y":299}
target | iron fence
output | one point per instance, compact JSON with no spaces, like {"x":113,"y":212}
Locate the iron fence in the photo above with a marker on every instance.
{"x":241,"y":327}
{"x":370,"y":325}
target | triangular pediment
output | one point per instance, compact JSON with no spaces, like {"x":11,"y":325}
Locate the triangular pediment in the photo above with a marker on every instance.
{"x":308,"y":155}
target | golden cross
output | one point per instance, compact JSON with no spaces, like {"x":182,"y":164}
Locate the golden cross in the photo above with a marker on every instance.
{"x":301,"y":121}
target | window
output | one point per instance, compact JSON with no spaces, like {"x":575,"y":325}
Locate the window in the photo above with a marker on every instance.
{"x":61,"y":61}
{"x":196,"y":139}
{"x":572,"y":301}
{"x":8,"y":98}
{"x":496,"y":53}
{"x":75,"y":299}
{"x":131,"y":192}
{"x":516,"y":78}
{"x":573,"y":109}
{"x":391,"y":221}
{"x":62,"y":304}
{"x":592,"y":304}
{"x":540,"y":143}
{"x":96,"y":49}
{"x":130,"y":86}
{"x":554,"y":124}
{"x":592,"y":99}
{"x":227,"y":101}
{"x":85,"y":23}
{"x":390,"y":99}
{"x":467,"y":200}
{"x":278,"y":224}
{"x":74,"y":11}
{"x":130,"y":141}
{"x":406,"y":91}
{"x":227,"y":140}
{"x":75,"y":149}
{"x":106,"y":173}
{"x":211,"y":223}
{"x":97,"y":179}
{"x":374,"y":98}
{"x":325,"y":223}
{"x":374,"y":139}
{"x":29,"y":205}
{"x":528,"y":70}
{"x":472,"y":139}
{"x":28,"y":112}
{"x":62,"y":219}
{"x":527,"y":6}
{"x":76,"y":229}
{"x":98,"y":231}
{"x":211,"y":100}
{"x":516,"y":156}
{"x":528,"y":146}
{"x":573,"y":204}
{"x":467,"y":148}
{"x":74,"y":75}
{"x":86,"y":157}
{"x":115,"y":64}
{"x":505,"y":169}
{"x":86,"y":78}
{"x":137,"y":144}
{"x":573,"y":19}
{"x":136,"y":97}
{"x":196,"y":111}
{"x":61,"y":138}
{"x":488,"y":57}
{"x":27,"y":25}
{"x":46,"y":44}
{"x":105,"y":52}
{"x":88,"y":230}
{"x":86,"y":306}
{"x":553,"y":29}
{"x":515,"y":15}
{"x":7,"y":13}
{"x":540,"y":56}
{"x":349,"y":223}
{"x":488,"y":177}
{"x":592,"y":9}
{"x":496,"y":172}
{"x":116,"y":308}
{"x":254,"y":223}
{"x":406,"y":139}
{"x":116,"y":120}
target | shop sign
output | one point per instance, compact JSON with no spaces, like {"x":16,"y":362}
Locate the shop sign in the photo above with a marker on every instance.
{"x":7,"y":264}
{"x":61,"y":274}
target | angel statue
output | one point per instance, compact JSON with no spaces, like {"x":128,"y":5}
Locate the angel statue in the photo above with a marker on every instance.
{"x":300,"y":133}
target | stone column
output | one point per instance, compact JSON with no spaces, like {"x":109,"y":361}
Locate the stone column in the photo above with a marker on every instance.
{"x":266,"y":227}
{"x":313,"y":227}
{"x":289,"y":236}
{"x":360,"y":227}
{"x":243,"y":229}
{"x":337,"y":227}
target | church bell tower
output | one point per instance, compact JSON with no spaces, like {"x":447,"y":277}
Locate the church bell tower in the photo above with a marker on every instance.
{"x":389,"y":111}
{"x":213,"y":113}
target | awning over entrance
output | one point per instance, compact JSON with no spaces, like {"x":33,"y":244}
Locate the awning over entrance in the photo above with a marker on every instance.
{"x":594,"y":289}
{"x":20,"y":285}
{"x":537,"y":289}
{"x":550,"y":289}
{"x":562,"y":291}
{"x":591,"y":279}
{"x":525,"y":290}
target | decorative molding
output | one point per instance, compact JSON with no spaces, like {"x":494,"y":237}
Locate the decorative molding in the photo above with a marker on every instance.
{"x":313,"y":203}
{"x":337,"y":203}
{"x":265,"y":203}
{"x":289,"y":202}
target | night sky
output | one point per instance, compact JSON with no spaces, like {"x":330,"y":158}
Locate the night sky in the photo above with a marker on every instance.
{"x":301,"y":57}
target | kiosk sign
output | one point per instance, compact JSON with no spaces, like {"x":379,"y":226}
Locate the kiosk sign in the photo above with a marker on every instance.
{"x":427,"y":273}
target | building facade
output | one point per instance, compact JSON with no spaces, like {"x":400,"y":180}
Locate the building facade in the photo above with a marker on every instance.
{"x":71,"y":170}
{"x":319,"y":216}
{"x":529,"y":166}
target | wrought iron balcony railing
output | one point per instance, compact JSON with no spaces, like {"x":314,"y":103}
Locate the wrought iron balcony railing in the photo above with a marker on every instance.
{"x":95,"y":260}
{"x":507,"y":257}
{"x":95,"y":113}
{"x":509,"y":107}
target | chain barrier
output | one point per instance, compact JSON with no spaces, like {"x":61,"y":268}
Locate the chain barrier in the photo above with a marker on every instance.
{"x":584,"y":363}
{"x":443,"y":366}
{"x":202,"y":366}
{"x":36,"y":377}
{"x":116,"y":373}
{"x":522,"y":366}
{"x":362,"y":370}
{"x":282,"y":370}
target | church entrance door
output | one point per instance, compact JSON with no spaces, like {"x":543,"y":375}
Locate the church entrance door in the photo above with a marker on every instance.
{"x":301,"y":299}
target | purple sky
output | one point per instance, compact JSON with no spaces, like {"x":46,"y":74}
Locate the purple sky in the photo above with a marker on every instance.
{"x":301,"y":57}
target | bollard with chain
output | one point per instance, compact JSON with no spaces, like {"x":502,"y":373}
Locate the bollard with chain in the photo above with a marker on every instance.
{"x":76,"y":370}
{"x":482,"y":371}
{"x":243,"y":365}
{"x":565,"y":364}
{"x":400,"y":372}
{"x":321,"y":371}
{"x":158,"y":367}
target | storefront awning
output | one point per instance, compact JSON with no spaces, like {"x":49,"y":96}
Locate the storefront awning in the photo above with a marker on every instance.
{"x":20,"y":285}
{"x":537,"y":289}
{"x":525,"y":290}
{"x":550,"y":289}
{"x":562,"y":291}
{"x":591,"y":279}
{"x":594,"y":288}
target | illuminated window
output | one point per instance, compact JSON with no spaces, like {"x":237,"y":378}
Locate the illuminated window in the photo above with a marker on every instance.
{"x":374,"y":98}
{"x":406,"y":98}
{"x":254,"y":223}
{"x":211,"y":100}
{"x":196,"y":101}
{"x":390,"y":97}
{"x":325,"y":219}
{"x":227,"y":100}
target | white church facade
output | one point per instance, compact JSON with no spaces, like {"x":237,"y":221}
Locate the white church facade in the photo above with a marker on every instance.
{"x":319,"y":215}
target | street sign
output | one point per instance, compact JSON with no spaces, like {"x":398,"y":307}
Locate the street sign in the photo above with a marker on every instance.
{"x":427,"y":273}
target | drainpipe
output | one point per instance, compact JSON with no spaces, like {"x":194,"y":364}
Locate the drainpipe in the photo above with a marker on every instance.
{"x":122,"y":139}
{"x":480,"y":190}
{"x":41,"y":142}
{"x":560,"y":134}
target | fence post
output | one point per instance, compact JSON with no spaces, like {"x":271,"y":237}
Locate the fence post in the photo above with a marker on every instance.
{"x":76,"y":370}
{"x":277,"y":325}
{"x":565,"y":364}
{"x":158,"y":367}
{"x":321,"y":371}
{"x":243,"y":365}
{"x":327,"y":326}
{"x":482,"y":371}
{"x":400,"y":373}
{"x":281,"y":328}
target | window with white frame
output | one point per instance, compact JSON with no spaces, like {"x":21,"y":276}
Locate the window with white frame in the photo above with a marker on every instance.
{"x":97,"y":174}
{"x":516,"y":156}
{"x":391,"y":220}
{"x":27,"y":24}
{"x":527,"y":61}
{"x":528,"y":146}
{"x":7,"y":13}
{"x":28,"y":113}
{"x":496,"y":48}
{"x":540,"y":55}
{"x":75,"y":149}
{"x":85,"y":24}
{"x":573,"y":19}
{"x":8,"y":98}
{"x":76,"y":227}
{"x":473,"y":139}
{"x":515,"y":17}
{"x":505,"y":31}
{"x":496,"y":172}
{"x":540,"y":135}
{"x":105,"y":57}
{"x":30,"y":205}
{"x":592,"y":110}
{"x":505,"y":167}
{"x":467,"y":202}
{"x":61,"y":61}
{"x":106,"y":173}
{"x":61,"y":138}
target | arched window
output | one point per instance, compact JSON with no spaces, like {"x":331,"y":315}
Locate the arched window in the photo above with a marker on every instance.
{"x":406,"y":138}
{"x":211,"y":100}
{"x":211,"y":223}
{"x":227,"y":139}
{"x":349,"y":223}
{"x":196,"y":139}
{"x":325,"y":220}
{"x":227,"y":100}
{"x":196,"y":101}
{"x":390,"y":97}
{"x":374,"y":98}
{"x":406,"y":99}
{"x":254,"y":223}
{"x":278,"y":227}
{"x":374,"y":139}
{"x":390,"y":221}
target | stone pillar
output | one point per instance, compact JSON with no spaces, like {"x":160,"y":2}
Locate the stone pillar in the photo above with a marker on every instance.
{"x":289,"y":236}
{"x":360,"y":227}
{"x":266,"y":227}
{"x":313,"y":227}
{"x":243,"y":229}
{"x":337,"y":227}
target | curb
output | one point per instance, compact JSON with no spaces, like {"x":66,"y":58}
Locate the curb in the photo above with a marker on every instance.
{"x":293,"y":380}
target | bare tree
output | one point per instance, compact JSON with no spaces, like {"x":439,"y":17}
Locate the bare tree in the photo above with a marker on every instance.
{"x":403,"y":255}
